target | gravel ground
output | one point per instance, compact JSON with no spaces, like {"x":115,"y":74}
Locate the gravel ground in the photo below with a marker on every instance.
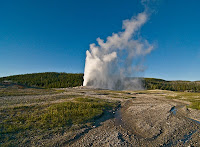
{"x":142,"y":119}
{"x":146,"y":120}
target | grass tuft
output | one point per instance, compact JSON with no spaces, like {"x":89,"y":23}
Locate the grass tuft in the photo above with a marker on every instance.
{"x":18,"y":121}
{"x":194,"y":98}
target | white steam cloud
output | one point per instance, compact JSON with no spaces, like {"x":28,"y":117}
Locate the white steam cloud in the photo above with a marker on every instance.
{"x":109,"y":63}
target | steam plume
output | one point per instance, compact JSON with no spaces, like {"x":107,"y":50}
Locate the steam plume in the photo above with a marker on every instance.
{"x":109,"y":63}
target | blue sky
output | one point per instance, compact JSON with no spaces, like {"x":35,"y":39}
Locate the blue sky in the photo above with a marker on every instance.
{"x":47,"y":35}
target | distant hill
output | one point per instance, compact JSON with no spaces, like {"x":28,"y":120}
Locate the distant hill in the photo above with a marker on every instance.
{"x":46,"y":80}
{"x":152,"y":83}
{"x":62,"y":80}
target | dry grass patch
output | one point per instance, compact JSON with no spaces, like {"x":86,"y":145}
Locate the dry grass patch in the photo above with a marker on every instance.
{"x":25,"y":121}
{"x":194,"y":98}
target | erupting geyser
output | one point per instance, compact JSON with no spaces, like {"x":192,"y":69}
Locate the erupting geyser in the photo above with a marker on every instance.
{"x":109,"y":63}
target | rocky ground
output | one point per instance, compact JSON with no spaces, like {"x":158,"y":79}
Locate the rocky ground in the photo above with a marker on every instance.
{"x":144,"y":118}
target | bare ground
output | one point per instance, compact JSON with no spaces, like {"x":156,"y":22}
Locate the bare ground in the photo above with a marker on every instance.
{"x":142,"y":119}
{"x":146,"y":120}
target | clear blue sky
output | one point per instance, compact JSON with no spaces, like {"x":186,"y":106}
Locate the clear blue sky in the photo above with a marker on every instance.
{"x":49,"y":35}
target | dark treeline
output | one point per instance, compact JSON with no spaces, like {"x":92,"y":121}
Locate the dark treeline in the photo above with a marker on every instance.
{"x":152,"y":83}
{"x":47,"y":79}
{"x":62,"y":80}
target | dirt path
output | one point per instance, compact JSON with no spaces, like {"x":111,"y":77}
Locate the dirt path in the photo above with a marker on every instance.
{"x":146,"y":120}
